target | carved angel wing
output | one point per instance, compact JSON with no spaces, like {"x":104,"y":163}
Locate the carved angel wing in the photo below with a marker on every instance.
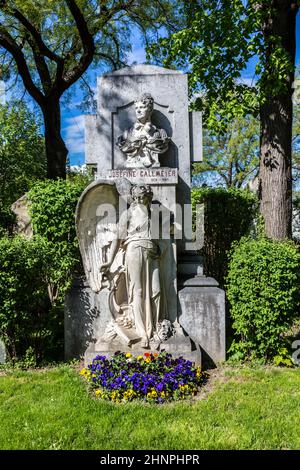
{"x":96,"y":225}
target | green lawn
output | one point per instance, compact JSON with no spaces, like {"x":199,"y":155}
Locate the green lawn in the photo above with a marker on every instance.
{"x":240,"y":408}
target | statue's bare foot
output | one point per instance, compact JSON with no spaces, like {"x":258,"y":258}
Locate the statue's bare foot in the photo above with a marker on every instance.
{"x":144,"y":343}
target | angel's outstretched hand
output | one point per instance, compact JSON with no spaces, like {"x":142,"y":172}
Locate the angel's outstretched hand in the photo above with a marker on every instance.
{"x":105,"y":267}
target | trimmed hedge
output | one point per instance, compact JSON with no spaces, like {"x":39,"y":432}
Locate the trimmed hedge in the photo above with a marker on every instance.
{"x":228,"y":216}
{"x":263,"y":288}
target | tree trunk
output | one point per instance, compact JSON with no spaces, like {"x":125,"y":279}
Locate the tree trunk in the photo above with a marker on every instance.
{"x":56,"y":150}
{"x":276,"y":170}
{"x":276,"y":116}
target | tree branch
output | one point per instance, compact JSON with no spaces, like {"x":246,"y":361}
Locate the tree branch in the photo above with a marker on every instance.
{"x":109,"y":58}
{"x":88,"y":45}
{"x":41,"y":67}
{"x":34,"y":32}
{"x":8,"y":42}
{"x":107,"y":14}
{"x":84,"y":33}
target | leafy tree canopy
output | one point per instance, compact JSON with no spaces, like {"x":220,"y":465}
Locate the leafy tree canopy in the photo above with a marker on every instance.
{"x":22,"y":153}
{"x":216,"y":44}
{"x":230,"y":159}
{"x":53,"y":43}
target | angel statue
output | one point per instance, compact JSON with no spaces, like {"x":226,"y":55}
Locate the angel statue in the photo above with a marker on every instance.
{"x":143,"y":142}
{"x":124,"y":257}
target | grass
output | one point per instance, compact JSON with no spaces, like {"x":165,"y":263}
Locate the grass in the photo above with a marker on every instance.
{"x":239,"y":408}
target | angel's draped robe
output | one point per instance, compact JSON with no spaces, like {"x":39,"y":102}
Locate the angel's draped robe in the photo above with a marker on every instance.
{"x":142,"y":269}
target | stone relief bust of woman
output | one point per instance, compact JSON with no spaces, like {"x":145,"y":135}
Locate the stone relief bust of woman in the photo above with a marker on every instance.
{"x":143,"y":142}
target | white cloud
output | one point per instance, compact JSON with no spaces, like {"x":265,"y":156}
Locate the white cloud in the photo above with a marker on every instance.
{"x":79,"y":168}
{"x":73,"y":132}
{"x":2,"y":92}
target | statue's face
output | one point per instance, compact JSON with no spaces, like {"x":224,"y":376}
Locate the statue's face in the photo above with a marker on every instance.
{"x":143,"y":199}
{"x":143,"y":111}
{"x":141,"y":196}
{"x":164,"y":329}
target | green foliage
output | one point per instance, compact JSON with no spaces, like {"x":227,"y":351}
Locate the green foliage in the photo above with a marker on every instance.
{"x":52,"y":209}
{"x":7,"y":221}
{"x":22,"y":156}
{"x":229,"y":215}
{"x":283,"y":358}
{"x":263,"y":288}
{"x":215,"y":46}
{"x":26,"y":315}
{"x":231,"y":158}
{"x":48,"y":46}
{"x":30,"y":360}
{"x":296,"y":218}
{"x":56,"y":38}
{"x":35,"y":274}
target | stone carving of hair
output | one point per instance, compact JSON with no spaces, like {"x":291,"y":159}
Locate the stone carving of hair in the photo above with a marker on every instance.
{"x":142,"y":189}
{"x":147,"y":99}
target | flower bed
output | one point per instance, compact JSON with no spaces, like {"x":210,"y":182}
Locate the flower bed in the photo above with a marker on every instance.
{"x":151,"y":377}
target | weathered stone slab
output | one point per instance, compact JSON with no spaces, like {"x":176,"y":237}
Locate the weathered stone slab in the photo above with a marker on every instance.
{"x":116,"y":94}
{"x":202,"y":315}
{"x":81,"y":319}
{"x":21,"y":209}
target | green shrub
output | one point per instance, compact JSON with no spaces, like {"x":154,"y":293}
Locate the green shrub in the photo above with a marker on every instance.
{"x":35,"y":274}
{"x":52,"y":209}
{"x":263,"y":287}
{"x":229,"y":215}
{"x":22,"y":157}
{"x":26,"y":314}
{"x":7,"y":221}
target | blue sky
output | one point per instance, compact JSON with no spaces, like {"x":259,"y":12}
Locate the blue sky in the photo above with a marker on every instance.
{"x":73,"y":117}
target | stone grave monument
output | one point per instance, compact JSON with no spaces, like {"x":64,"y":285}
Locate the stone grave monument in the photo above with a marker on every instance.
{"x":2,"y":352}
{"x":144,"y":288}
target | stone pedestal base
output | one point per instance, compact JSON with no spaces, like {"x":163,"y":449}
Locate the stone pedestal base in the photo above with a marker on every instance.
{"x":202,"y":315}
{"x":177,"y":345}
{"x":86,"y":318}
